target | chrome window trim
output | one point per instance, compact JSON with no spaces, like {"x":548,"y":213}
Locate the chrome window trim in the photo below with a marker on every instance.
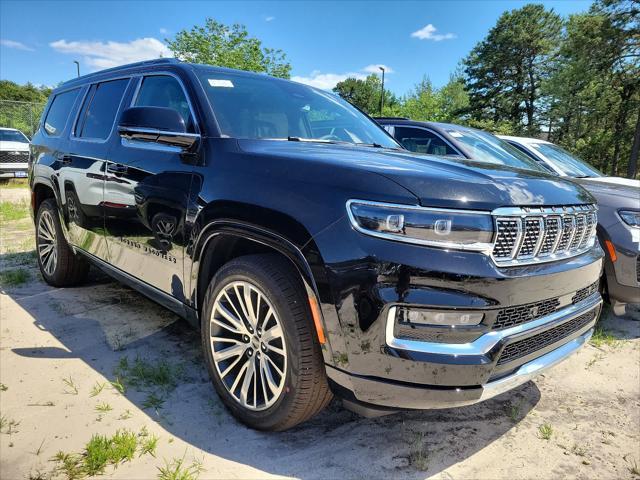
{"x":160,"y":73}
{"x":426,"y":129}
{"x":486,"y":342}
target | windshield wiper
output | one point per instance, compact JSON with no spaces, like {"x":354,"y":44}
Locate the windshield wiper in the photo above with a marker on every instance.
{"x":314,"y":140}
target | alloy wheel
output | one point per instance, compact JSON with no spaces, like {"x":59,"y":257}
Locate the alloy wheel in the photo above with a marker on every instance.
{"x":47,"y":244}
{"x":248,"y":345}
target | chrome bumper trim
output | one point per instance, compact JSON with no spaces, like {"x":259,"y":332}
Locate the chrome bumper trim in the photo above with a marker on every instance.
{"x":485,"y":343}
{"x":530,"y":370}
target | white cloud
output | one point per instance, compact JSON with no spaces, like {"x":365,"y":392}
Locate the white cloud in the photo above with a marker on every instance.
{"x":269,"y":18}
{"x":429,"y":33}
{"x":375,"y":68}
{"x":98,"y":55}
{"x":327,"y":81}
{"x":164,"y":31}
{"x":16,"y":45}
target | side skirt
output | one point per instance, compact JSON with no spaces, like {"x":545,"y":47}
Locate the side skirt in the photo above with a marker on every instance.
{"x":158,"y":296}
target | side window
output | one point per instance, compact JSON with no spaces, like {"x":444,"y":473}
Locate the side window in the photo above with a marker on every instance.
{"x":422,"y":141}
{"x":165,"y":91}
{"x":59,"y":111}
{"x":100,"y":108}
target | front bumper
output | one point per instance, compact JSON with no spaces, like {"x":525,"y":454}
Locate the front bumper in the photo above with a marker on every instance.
{"x":13,"y":170}
{"x":486,"y":351}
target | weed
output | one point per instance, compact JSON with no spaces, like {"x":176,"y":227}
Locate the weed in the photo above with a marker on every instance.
{"x":70,"y":464}
{"x":118,"y":385}
{"x":514,"y":411}
{"x":546,"y":431}
{"x":39,"y":450}
{"x":595,"y":359}
{"x":633,"y":467}
{"x":578,"y":450}
{"x":145,"y":374}
{"x":45,"y":404}
{"x":602,"y":337}
{"x":148,"y":445}
{"x":153,"y":401}
{"x":72,"y":388}
{"x":97,"y":388}
{"x":3,"y":387}
{"x":11,"y":211}
{"x":178,"y":470}
{"x":419,"y":455}
{"x":14,"y":277}
{"x":125,"y":416}
{"x":8,"y":425}
{"x":103,"y":407}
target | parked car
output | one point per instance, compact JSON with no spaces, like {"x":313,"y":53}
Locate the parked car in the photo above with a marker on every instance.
{"x":619,"y":214}
{"x":448,"y":139}
{"x":316,"y":256}
{"x":14,"y":153}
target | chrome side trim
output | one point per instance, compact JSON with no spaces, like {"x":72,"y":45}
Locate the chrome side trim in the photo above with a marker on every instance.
{"x":485,"y":343}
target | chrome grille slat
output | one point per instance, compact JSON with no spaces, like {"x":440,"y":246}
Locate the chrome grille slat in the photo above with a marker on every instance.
{"x":542,"y":234}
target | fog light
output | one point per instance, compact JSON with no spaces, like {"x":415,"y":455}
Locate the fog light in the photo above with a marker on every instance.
{"x":440,"y":318}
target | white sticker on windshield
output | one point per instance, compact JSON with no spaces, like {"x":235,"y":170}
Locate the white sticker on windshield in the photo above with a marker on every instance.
{"x":216,"y":82}
{"x":456,"y":134}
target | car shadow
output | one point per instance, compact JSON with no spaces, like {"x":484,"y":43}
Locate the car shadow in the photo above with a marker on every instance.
{"x":103,"y":321}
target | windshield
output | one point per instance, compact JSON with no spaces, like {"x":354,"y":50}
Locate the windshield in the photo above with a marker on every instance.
{"x":487,"y":148}
{"x":265,"y":107}
{"x":567,"y":163}
{"x":13,"y":136}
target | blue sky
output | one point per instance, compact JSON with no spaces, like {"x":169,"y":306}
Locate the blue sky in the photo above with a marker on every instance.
{"x":324,"y":41}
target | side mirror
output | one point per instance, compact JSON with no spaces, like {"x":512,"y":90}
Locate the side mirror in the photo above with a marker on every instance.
{"x":156,"y":125}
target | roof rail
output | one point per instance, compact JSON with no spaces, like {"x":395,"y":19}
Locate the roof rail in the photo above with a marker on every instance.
{"x":391,"y":118}
{"x":156,"y":61}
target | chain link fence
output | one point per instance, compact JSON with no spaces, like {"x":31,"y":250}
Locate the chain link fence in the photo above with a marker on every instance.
{"x":23,"y":116}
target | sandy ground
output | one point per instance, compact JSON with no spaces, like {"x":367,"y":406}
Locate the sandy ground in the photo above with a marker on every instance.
{"x":47,"y":336}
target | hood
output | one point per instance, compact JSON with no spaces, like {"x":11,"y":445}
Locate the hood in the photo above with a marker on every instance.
{"x":13,"y":146}
{"x":435,"y":181}
{"x":615,"y":181}
{"x":614,"y":194}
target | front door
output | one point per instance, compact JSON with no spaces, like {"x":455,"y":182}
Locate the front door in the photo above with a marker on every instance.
{"x":146,"y":196}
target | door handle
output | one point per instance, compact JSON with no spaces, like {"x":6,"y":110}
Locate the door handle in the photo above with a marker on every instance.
{"x":116,"y":168}
{"x":64,"y":158}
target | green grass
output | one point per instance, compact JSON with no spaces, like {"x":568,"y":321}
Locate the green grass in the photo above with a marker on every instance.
{"x":103,"y":407}
{"x":103,"y":451}
{"x":21,"y":258}
{"x":546,"y":431}
{"x":7,"y":425}
{"x":71,"y":387}
{"x":97,"y":388}
{"x":14,"y":277}
{"x":15,"y":183}
{"x":12,"y":211}
{"x":601,"y":337}
{"x":419,"y":455}
{"x":177,"y":469}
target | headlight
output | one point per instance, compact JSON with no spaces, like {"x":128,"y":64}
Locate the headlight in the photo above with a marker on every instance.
{"x":630,"y":217}
{"x":444,"y":228}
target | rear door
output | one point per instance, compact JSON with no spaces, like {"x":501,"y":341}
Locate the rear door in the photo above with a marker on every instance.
{"x":146,"y":195}
{"x":85,"y":160}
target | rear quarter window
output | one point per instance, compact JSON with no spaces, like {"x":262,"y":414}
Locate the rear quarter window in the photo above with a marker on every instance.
{"x":59,"y":111}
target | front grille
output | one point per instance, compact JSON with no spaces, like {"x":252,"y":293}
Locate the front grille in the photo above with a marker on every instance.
{"x":14,"y":157}
{"x":537,"y":342}
{"x":584,"y":293}
{"x":530,"y":235}
{"x":512,"y":316}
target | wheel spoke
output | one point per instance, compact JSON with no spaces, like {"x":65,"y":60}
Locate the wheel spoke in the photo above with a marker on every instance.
{"x":245,"y":357}
{"x":229,"y":352}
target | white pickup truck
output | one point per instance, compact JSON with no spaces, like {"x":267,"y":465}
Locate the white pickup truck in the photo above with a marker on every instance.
{"x":14,"y":153}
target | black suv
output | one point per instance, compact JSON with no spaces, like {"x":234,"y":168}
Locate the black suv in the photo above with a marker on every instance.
{"x":315,"y":255}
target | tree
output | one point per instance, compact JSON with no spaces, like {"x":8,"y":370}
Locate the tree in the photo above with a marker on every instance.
{"x":365,"y":94}
{"x":21,"y":105}
{"x":228,"y":46}
{"x":505,"y":70}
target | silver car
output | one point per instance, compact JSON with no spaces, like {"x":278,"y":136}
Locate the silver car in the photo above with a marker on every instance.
{"x":618,"y":216}
{"x":14,"y":153}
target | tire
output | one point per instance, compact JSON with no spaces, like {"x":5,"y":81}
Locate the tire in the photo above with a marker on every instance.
{"x":302,"y":391}
{"x":59,"y":266}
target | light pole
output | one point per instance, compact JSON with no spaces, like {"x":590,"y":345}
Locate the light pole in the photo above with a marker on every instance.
{"x":77,"y":66}
{"x":382,"y":92}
